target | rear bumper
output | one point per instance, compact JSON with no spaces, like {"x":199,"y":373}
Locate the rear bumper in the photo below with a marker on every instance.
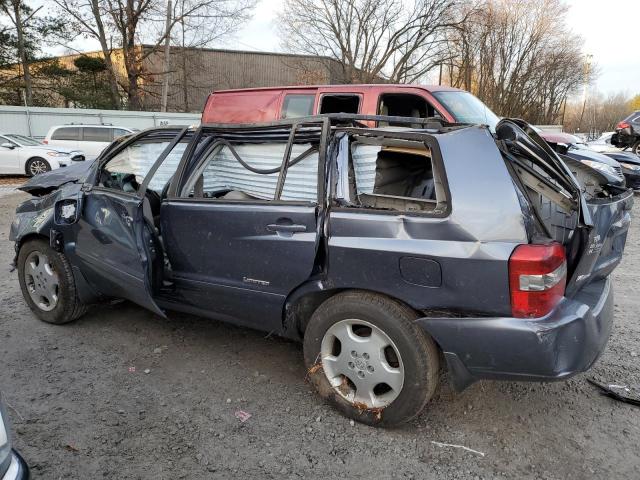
{"x":18,"y":469}
{"x":565,"y":342}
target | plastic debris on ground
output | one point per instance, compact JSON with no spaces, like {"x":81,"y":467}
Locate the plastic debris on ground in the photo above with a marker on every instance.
{"x":242,"y":415}
{"x":622,"y":393}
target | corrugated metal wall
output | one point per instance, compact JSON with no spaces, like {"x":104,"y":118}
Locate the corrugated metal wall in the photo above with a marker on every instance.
{"x":36,"y":121}
{"x":224,"y":172}
{"x":208,"y":70}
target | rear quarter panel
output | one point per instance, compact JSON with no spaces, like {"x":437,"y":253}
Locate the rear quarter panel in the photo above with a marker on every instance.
{"x":459,"y":262}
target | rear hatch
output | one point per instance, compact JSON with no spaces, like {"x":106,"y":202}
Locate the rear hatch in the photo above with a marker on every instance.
{"x":607,"y":236}
{"x":568,"y":202}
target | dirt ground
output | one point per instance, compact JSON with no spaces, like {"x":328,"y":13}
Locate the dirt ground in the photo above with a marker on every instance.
{"x":124,"y":394}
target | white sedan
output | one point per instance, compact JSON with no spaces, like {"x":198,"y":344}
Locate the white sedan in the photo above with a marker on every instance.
{"x":24,"y":155}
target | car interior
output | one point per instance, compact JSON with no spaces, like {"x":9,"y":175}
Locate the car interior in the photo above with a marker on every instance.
{"x":392,"y":175}
{"x":344,"y":103}
{"x":250,"y":172}
{"x":403,"y":105}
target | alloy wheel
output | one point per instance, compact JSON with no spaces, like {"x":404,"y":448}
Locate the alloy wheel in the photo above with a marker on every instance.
{"x":38,"y":166}
{"x":42,"y":281}
{"x":362,"y":363}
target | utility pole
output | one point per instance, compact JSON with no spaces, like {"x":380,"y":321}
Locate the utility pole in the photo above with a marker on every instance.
{"x":587,"y":71}
{"x":167,"y":53}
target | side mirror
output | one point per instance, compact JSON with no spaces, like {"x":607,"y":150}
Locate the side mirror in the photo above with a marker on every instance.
{"x":8,"y":145}
{"x":67,"y":211}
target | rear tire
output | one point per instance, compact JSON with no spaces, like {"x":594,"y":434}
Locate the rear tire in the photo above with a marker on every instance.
{"x":636,"y":148}
{"x":37,"y":165}
{"x":352,"y":369}
{"x":47,"y":283}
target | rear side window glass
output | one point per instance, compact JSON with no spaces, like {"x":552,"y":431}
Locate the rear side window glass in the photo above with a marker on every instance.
{"x":66,"y":133}
{"x":96,"y":134}
{"x":222,"y":176}
{"x":295,"y":106}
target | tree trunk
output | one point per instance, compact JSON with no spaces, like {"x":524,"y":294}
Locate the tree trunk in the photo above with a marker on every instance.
{"x":167,"y":59}
{"x":185,"y":87}
{"x":114,"y":92}
{"x":133,"y":91}
{"x":22,"y":52}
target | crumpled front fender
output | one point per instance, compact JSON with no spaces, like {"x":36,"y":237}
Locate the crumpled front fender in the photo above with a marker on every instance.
{"x":35,"y":216}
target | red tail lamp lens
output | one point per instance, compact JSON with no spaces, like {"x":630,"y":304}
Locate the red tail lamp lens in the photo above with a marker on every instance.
{"x":537,"y":279}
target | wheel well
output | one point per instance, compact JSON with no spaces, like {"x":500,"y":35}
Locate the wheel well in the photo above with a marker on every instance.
{"x":26,"y":164}
{"x":31,"y":236}
{"x":300,"y":311}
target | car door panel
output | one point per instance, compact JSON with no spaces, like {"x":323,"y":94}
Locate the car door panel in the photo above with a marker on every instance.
{"x":111,"y":245}
{"x":239,"y":259}
{"x":9,"y":158}
{"x":116,"y":243}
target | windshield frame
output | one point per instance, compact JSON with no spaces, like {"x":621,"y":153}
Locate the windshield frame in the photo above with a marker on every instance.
{"x":22,"y":140}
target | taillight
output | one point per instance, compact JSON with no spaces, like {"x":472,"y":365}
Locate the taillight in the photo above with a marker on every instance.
{"x":622,"y":126}
{"x":537,"y":279}
{"x":45,"y":141}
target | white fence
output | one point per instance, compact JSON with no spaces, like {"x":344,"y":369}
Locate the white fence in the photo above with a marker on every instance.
{"x":551,"y":128}
{"x":36,"y":121}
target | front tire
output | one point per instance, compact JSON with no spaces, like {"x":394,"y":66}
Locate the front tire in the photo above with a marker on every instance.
{"x":47,"y":283}
{"x":367,"y":357}
{"x":37,"y":165}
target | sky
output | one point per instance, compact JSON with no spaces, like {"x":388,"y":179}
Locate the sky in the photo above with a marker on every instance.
{"x":605,"y":25}
{"x":609,"y":29}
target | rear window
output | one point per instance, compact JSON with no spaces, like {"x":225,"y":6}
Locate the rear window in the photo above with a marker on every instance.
{"x":295,"y":106}
{"x":66,"y":133}
{"x":96,"y":134}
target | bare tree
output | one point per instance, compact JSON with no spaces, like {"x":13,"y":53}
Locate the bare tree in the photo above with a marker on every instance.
{"x":20,"y":14}
{"x":87,"y":17}
{"x":374,"y":40}
{"x":601,"y":113}
{"x":27,"y":30}
{"x":518,"y":56}
{"x":196,"y":31}
{"x":132,"y":23}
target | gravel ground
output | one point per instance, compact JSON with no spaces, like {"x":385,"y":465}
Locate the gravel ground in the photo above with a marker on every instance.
{"x":124,"y":394}
{"x":8,"y":184}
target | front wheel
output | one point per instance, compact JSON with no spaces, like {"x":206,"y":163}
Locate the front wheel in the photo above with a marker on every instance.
{"x":36,"y":166}
{"x":367,"y":357}
{"x":47,"y":283}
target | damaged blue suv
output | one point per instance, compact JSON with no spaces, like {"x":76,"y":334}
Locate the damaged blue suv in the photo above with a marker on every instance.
{"x":392,"y":251}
